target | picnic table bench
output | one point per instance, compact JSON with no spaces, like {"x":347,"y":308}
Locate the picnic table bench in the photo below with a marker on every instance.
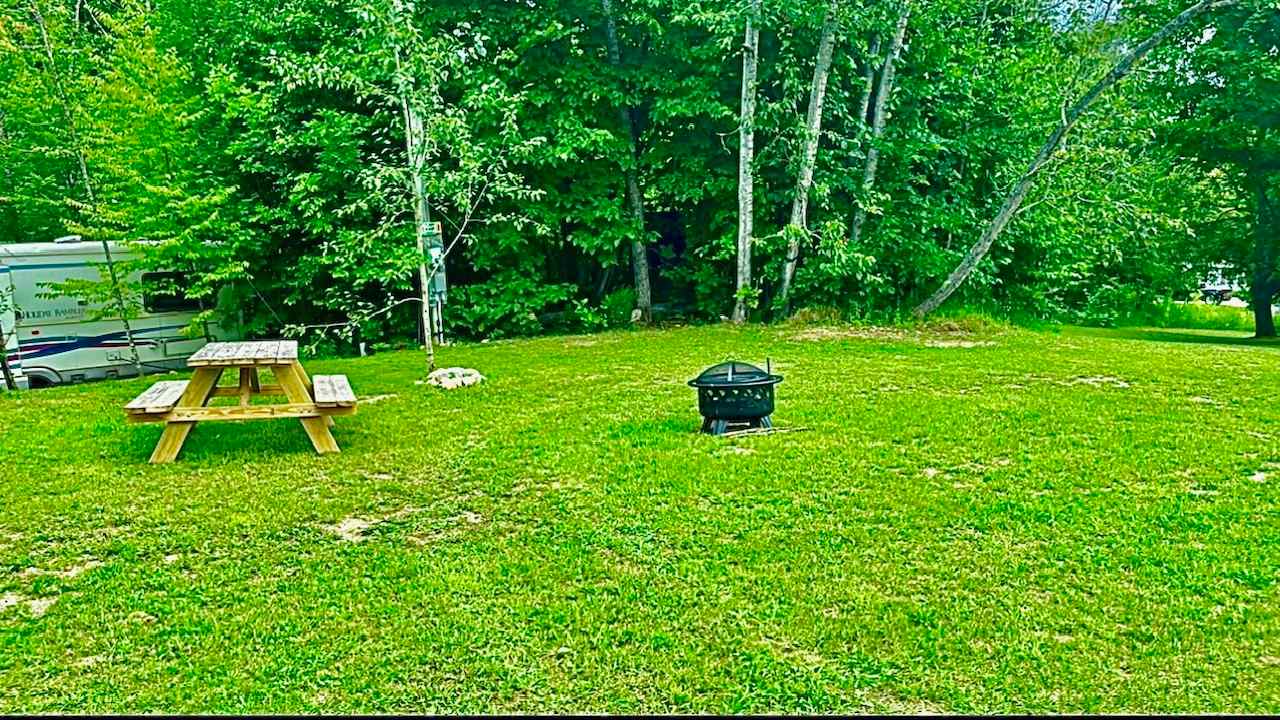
{"x":180,"y":404}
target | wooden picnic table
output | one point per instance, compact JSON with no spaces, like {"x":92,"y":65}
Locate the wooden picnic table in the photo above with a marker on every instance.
{"x":180,"y":404}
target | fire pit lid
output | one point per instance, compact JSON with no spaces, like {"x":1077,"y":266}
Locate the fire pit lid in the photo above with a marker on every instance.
{"x":734,"y":373}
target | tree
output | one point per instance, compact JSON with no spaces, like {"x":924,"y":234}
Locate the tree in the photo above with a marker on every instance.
{"x":744,"y":297}
{"x":797,"y":228}
{"x":415,"y":146}
{"x":877,"y":122}
{"x":1225,"y":89}
{"x":353,"y":127}
{"x":551,"y":144}
{"x":635,"y":199}
{"x":1266,"y":271}
{"x":54,"y":77}
{"x":6,"y":306}
{"x":1070,"y":115}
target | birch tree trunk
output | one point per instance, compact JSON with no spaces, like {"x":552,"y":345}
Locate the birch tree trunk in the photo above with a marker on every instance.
{"x":90,"y":200}
{"x":746,"y":156}
{"x":868,"y":79}
{"x":1070,"y":116}
{"x":421,"y":217}
{"x":635,"y":200}
{"x":809,"y":156}
{"x":415,"y":160}
{"x":877,"y":124}
{"x":415,"y":152}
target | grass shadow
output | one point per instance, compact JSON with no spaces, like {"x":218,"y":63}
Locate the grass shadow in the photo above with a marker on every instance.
{"x":1185,"y":336}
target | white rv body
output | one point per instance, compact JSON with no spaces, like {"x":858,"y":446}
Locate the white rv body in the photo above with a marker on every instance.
{"x":56,"y":340}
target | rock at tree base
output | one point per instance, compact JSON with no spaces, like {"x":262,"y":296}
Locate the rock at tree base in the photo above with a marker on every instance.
{"x":454,"y":377}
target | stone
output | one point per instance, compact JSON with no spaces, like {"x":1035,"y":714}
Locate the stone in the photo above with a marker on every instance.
{"x":454,"y":377}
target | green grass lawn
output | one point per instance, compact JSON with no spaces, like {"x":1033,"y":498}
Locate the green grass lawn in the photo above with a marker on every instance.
{"x":993,"y":521}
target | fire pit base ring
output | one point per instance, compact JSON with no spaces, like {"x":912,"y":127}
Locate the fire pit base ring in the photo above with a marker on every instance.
{"x":712,"y":426}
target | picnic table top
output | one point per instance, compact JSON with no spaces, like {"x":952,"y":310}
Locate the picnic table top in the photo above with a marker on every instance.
{"x":257,"y":352}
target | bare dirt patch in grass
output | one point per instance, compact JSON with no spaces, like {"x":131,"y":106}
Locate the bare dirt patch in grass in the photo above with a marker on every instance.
{"x":69,"y":573}
{"x":888,"y":703}
{"x":1097,"y":381}
{"x":453,"y":527}
{"x":822,"y":334}
{"x":959,"y":343}
{"x":144,"y":618}
{"x":90,"y":660}
{"x":39,"y":606}
{"x":350,"y":529}
{"x":36,"y":606}
{"x":355,"y":529}
{"x":375,"y":399}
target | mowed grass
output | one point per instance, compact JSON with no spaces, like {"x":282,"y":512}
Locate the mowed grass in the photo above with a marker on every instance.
{"x":992,"y":521}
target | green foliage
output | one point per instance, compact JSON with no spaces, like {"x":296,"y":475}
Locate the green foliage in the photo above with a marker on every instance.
{"x":1225,"y":110}
{"x":505,"y":306}
{"x":262,"y":148}
{"x":105,"y":298}
{"x":617,"y":306}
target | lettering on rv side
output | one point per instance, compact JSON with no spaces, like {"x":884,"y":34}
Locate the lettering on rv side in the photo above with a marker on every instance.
{"x":58,"y":313}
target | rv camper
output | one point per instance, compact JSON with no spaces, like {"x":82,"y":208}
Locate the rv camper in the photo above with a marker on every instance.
{"x":55,"y":340}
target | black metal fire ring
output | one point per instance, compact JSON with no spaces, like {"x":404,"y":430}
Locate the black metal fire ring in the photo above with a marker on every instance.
{"x":735,"y":394}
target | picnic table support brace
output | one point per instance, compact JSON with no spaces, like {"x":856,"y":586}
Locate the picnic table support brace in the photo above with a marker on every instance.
{"x":291,"y":378}
{"x":248,"y":385}
{"x":197,"y":394}
{"x":306,"y":381}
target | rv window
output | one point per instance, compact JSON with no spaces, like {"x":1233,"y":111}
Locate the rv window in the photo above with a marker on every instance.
{"x":156,"y":300}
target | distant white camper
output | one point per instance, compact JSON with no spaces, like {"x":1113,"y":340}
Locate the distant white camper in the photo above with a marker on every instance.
{"x":54,"y":341}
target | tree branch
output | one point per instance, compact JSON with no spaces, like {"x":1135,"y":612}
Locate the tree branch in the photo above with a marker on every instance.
{"x":1010,"y":206}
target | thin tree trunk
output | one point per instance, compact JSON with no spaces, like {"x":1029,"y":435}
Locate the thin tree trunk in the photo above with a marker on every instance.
{"x":809,"y":156}
{"x":1265,"y":283}
{"x":421,"y":214}
{"x":415,"y":159}
{"x":877,"y":124}
{"x":1070,"y":116}
{"x":91,"y":201}
{"x":746,"y":155}
{"x":635,"y":200}
{"x":868,"y":80}
{"x":9,"y":381}
{"x":6,"y":304}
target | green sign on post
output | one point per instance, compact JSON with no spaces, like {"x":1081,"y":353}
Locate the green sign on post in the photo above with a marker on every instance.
{"x":437,"y":287}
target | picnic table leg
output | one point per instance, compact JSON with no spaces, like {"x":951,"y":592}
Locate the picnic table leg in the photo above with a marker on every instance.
{"x":199,"y":390}
{"x":295,"y":388}
{"x":306,"y":380}
{"x":248,"y":385}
